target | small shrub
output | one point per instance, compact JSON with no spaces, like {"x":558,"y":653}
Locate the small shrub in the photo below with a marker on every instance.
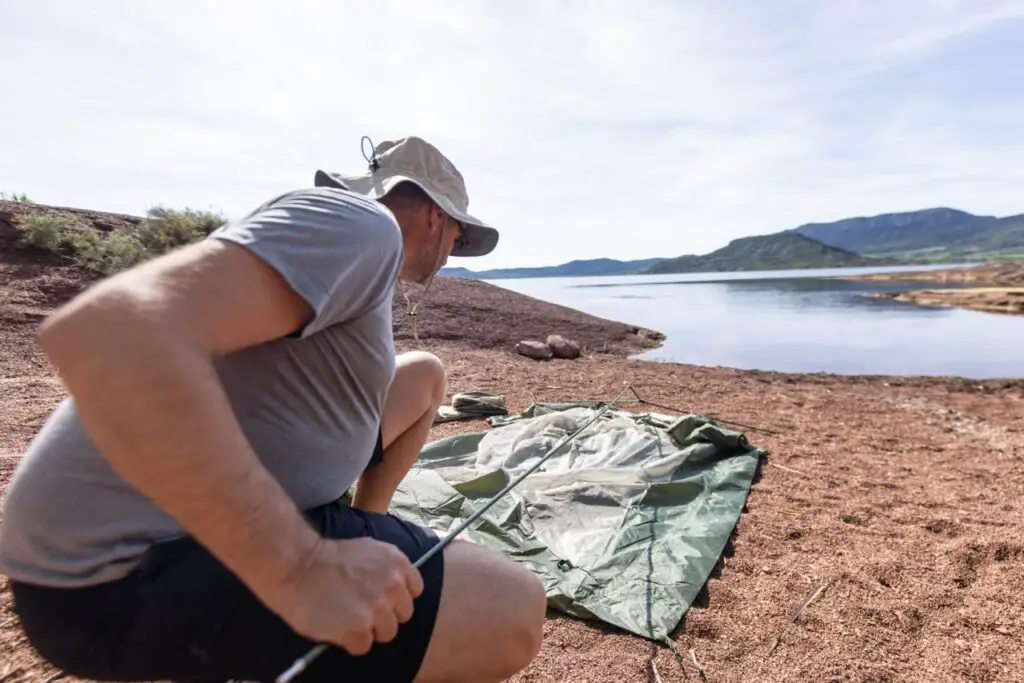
{"x":49,"y":231}
{"x":121,"y":248}
{"x":106,"y":253}
{"x":17,"y":197}
{"x":165,"y":229}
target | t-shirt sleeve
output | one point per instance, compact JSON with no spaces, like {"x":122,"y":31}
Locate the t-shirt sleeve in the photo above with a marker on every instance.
{"x":340,"y":252}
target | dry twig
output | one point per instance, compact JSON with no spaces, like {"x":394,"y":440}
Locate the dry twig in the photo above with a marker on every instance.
{"x":800,"y":610}
{"x":788,"y":469}
{"x":700,"y":669}
{"x":774,"y":642}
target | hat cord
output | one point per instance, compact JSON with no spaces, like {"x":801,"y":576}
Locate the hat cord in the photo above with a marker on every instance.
{"x":411,"y":308}
{"x":371,"y":158}
{"x":411,"y":311}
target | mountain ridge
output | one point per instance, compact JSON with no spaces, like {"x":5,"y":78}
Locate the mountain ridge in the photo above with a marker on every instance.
{"x":931,"y":235}
{"x":778,"y":251}
{"x":574,"y":268}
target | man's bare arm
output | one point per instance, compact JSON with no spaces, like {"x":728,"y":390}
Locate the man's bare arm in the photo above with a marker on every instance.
{"x":136,"y":353}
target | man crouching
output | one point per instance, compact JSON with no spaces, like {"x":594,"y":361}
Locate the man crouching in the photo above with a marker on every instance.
{"x":179,"y":516}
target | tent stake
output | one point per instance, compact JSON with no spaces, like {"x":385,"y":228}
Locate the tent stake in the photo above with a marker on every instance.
{"x":303,"y":662}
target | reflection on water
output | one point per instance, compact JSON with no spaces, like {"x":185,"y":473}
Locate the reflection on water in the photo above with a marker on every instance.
{"x":796,"y":321}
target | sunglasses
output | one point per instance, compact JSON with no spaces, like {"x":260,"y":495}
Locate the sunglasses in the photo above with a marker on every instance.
{"x":461,"y":241}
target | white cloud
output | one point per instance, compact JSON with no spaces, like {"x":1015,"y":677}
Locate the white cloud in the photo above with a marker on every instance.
{"x":584,"y":129}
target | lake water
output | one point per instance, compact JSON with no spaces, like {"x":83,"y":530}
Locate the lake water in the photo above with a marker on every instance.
{"x":796,"y":321}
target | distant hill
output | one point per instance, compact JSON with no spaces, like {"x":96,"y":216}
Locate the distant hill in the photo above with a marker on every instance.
{"x":579,"y":268}
{"x":931,"y":235}
{"x":778,"y":251}
{"x":936,"y":235}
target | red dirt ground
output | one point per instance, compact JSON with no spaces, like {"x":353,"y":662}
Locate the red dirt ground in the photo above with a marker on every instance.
{"x":899,"y":497}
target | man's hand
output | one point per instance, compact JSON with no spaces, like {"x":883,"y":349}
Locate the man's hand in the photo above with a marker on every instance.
{"x":352,"y":594}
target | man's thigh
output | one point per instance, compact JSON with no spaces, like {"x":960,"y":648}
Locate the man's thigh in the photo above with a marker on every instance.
{"x":183,"y":616}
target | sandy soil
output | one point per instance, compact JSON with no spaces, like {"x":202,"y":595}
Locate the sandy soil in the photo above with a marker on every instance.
{"x":896,"y":498}
{"x":997,"y":288}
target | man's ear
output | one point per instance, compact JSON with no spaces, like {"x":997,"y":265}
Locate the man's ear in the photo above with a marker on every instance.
{"x":436,"y":219}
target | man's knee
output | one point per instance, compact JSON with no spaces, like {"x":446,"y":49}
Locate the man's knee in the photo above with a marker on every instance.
{"x":490,"y":624}
{"x":424,"y":369}
{"x":522,"y":613}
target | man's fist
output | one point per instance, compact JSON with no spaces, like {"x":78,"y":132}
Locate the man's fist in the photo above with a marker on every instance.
{"x":351,"y":593}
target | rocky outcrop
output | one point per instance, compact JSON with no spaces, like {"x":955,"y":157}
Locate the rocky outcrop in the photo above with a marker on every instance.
{"x":556,"y":346}
{"x":485,"y":316}
{"x":535,"y":350}
{"x":1006,"y":300}
{"x":563,"y":348}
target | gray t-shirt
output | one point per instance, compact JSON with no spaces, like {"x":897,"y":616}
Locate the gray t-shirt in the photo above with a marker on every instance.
{"x":310,"y":404}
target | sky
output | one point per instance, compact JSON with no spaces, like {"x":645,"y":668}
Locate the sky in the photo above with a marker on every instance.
{"x":583,"y":129}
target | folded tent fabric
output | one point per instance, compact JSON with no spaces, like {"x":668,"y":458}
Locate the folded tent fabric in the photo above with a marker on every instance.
{"x":624,"y":524}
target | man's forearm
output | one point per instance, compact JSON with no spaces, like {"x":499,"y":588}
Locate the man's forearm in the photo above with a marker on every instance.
{"x":155,"y":408}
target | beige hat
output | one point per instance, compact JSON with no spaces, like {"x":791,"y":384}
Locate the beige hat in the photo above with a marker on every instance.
{"x":414,"y":160}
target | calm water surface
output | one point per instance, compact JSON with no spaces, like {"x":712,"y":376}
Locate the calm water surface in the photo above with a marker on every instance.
{"x":796,"y":321}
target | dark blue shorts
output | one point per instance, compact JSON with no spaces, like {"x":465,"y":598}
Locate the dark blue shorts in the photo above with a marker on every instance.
{"x":182,"y":616}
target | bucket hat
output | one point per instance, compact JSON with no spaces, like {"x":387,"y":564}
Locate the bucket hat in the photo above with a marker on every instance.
{"x":412,"y":159}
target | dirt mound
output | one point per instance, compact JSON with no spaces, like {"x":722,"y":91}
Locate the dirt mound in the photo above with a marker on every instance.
{"x":10,"y":236}
{"x":476,"y":314}
{"x":485,"y":316}
{"x":100,"y":220}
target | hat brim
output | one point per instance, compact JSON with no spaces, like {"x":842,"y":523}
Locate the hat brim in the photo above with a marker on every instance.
{"x":481,"y":239}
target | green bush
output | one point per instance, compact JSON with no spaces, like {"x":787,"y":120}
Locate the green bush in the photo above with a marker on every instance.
{"x":165,"y":229}
{"x":105,"y":253}
{"x":48,"y":231}
{"x":17,"y":197}
{"x":110,"y":252}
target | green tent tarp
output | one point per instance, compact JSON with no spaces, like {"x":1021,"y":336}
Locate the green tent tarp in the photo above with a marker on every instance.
{"x":624,"y":524}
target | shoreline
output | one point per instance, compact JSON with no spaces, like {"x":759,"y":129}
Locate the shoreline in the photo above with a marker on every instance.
{"x":1002,"y":273}
{"x":990,"y":288}
{"x":998,"y":300}
{"x":466,"y":314}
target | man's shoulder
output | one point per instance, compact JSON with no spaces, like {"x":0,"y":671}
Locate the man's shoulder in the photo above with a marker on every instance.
{"x":335,"y":213}
{"x":334,"y":200}
{"x":341,"y":252}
